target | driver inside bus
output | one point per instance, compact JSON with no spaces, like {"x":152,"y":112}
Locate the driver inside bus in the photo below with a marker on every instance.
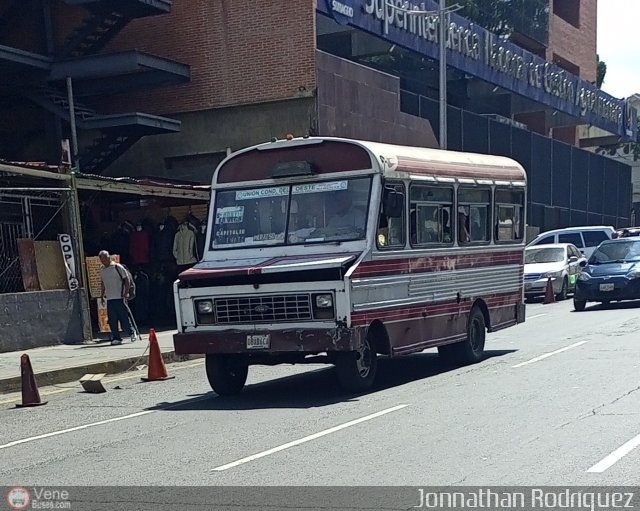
{"x":345,"y":215}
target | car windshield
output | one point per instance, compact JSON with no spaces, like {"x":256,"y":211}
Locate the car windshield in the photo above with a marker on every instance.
{"x":543,"y":255}
{"x":616,"y":252}
{"x":327,"y":211}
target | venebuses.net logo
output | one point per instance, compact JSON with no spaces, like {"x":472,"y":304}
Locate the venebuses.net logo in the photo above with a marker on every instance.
{"x":18,"y":498}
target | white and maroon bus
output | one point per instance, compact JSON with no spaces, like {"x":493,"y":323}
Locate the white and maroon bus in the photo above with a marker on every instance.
{"x":335,"y":250}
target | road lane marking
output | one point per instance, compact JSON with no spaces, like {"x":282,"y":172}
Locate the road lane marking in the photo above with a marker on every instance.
{"x":547,"y":355}
{"x":109,"y":380}
{"x":616,"y":455}
{"x":537,"y":316}
{"x":99,"y":423}
{"x":307,"y":439}
{"x":77,"y":428}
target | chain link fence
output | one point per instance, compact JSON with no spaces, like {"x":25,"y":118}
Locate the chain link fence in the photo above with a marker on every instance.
{"x":33,"y":214}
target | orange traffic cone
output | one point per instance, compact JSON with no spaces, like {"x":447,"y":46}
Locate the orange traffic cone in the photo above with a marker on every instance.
{"x":549,"y":295}
{"x":30,"y":394}
{"x":157,"y":370}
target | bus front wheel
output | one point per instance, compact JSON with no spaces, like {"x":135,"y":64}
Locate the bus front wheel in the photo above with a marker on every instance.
{"x":227,"y":374}
{"x":357,"y":369}
{"x":470,"y":350}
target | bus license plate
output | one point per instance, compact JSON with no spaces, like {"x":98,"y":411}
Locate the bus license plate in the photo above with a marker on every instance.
{"x":258,"y":342}
{"x":607,"y":287}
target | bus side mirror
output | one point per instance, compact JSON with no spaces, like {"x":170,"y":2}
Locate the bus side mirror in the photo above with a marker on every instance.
{"x":583,"y":263}
{"x":393,"y":204}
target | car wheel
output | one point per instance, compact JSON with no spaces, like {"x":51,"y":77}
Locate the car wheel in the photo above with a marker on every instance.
{"x":579,"y":305}
{"x":227,"y":374}
{"x":562,"y":295}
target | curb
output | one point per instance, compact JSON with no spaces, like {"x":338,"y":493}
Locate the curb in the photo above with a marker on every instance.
{"x":69,"y":374}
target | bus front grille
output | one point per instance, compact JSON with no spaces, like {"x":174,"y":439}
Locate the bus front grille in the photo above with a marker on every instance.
{"x":263,"y":309}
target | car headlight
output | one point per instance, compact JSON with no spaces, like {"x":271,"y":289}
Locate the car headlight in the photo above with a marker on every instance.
{"x":552,"y":274}
{"x":205,"y":307}
{"x":584,"y":276}
{"x":324,"y":301}
{"x":634,"y":274}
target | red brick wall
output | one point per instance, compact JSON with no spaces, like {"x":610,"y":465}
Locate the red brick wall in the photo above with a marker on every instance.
{"x":240,"y":51}
{"x":576,"y":45}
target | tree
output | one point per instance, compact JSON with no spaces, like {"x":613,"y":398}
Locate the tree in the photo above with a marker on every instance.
{"x":601,"y":72}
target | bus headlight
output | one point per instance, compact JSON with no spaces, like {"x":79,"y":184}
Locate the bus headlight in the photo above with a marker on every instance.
{"x":323,"y":306}
{"x":205,"y":307}
{"x":205,"y":312}
{"x":324,"y":301}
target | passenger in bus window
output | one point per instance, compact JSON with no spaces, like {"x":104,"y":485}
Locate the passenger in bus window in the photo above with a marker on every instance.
{"x":504,"y":227}
{"x":463,"y":225}
{"x":446,"y":226}
{"x":345,"y":214}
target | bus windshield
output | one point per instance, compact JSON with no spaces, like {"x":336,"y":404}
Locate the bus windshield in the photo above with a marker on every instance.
{"x":323,"y":211}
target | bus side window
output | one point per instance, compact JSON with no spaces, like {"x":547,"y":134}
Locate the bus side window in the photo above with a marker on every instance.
{"x":474,"y":215}
{"x":509,"y":215}
{"x":430,"y":221}
{"x":391,"y":225}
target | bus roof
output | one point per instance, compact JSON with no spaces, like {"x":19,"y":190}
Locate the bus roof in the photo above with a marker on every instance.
{"x":439,"y":164}
{"x":393,"y":160}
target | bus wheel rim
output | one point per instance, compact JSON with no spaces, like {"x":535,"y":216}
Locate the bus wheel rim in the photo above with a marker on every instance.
{"x":363,"y":363}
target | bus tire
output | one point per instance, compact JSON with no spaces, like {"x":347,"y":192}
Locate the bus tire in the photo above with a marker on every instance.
{"x":227,"y":374}
{"x":357,"y":369}
{"x":471,"y":350}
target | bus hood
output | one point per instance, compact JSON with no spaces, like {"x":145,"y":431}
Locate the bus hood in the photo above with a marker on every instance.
{"x":266,"y":265}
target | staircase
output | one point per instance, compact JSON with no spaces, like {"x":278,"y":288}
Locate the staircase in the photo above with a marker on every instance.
{"x":56,"y":102}
{"x":94,"y":34}
{"x":105,"y":150}
{"x":106,"y":19}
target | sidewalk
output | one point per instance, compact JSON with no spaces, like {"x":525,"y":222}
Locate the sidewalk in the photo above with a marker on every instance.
{"x":66,"y":363}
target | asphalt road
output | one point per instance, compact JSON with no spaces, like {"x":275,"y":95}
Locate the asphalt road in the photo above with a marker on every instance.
{"x":552,"y":404}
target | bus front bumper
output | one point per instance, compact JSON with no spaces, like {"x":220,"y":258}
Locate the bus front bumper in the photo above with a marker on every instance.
{"x":268,"y":341}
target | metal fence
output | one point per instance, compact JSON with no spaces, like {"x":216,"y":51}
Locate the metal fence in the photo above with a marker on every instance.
{"x":567,"y":186}
{"x":33,"y":215}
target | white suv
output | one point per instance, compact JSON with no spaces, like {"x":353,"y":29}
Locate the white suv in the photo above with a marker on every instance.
{"x":585,"y":238}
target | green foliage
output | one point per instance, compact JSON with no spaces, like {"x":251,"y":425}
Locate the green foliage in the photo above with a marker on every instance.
{"x":601,"y":72}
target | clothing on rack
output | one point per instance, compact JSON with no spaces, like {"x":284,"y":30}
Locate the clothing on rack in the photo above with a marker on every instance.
{"x":139,"y":247}
{"x":184,"y":245}
{"x":201,"y":235}
{"x":163,"y":238}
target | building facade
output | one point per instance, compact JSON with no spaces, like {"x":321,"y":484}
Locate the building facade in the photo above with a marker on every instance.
{"x":236,"y":73}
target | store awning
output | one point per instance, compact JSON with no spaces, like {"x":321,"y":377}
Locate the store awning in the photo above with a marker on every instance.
{"x":123,"y":185}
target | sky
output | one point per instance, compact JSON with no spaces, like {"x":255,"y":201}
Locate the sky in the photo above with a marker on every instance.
{"x":619,"y":45}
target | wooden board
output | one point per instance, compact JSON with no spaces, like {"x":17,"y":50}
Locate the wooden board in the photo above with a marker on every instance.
{"x":28,"y":267}
{"x":51,"y":269}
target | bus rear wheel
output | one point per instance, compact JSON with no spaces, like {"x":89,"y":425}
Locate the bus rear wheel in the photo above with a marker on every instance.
{"x":357,"y":369}
{"x":470,"y":350}
{"x":227,"y":374}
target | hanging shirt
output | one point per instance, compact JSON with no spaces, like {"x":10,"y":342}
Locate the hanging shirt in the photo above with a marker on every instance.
{"x":184,"y":245}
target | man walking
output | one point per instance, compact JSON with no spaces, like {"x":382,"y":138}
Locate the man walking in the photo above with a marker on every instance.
{"x":115,"y":289}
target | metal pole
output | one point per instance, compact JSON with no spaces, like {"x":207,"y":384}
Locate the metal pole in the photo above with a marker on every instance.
{"x":76,"y":223}
{"x":72,"y":120}
{"x":442,"y":17}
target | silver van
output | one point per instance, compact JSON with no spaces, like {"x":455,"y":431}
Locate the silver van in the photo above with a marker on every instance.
{"x":585,"y":238}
